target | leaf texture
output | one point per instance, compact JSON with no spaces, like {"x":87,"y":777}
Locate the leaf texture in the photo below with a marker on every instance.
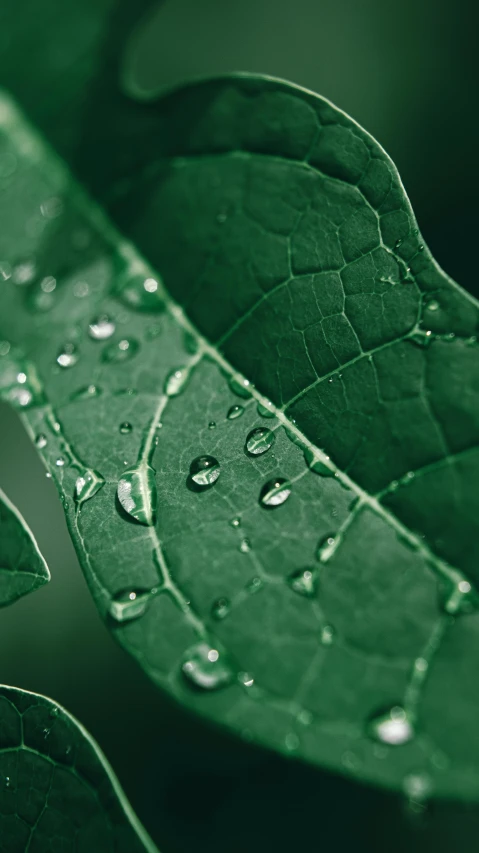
{"x":56,"y":787}
{"x":285,"y":277}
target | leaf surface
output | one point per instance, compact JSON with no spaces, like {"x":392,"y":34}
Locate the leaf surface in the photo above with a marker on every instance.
{"x":22,"y":567}
{"x":314,"y":596}
{"x":56,"y":785}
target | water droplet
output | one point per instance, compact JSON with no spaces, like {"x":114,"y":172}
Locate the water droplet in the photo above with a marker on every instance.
{"x":318,"y":466}
{"x":259,"y":440}
{"x":326,"y":548}
{"x":433,"y":305}
{"x":305,"y":717}
{"x":24,"y":272}
{"x":394,"y":728}
{"x":141,"y":292}
{"x":245,"y":546}
{"x":417,"y":787}
{"x":457,"y":598}
{"x":87,"y":485}
{"x":235,"y":522}
{"x":266,"y":409}
{"x":101,"y":328}
{"x":51,"y":207}
{"x":204,"y":471}
{"x":327,"y":635}
{"x":60,"y":462}
{"x":137,"y":494}
{"x":254,"y":585}
{"x":121,"y":351}
{"x":176,"y":381}
{"x":48,"y":475}
{"x":129,"y":604}
{"x":68,"y":356}
{"x":240,"y":387}
{"x":235,"y":412}
{"x":291,"y":742}
{"x":4,"y":347}
{"x":304,"y":581}
{"x":420,"y":248}
{"x":125,"y":428}
{"x":398,"y":243}
{"x":48,"y":284}
{"x":275,"y":492}
{"x":421,"y":338}
{"x":207,"y":668}
{"x":212,"y":425}
{"x":221,"y":608}
{"x":41,"y":441}
{"x":7,"y":781}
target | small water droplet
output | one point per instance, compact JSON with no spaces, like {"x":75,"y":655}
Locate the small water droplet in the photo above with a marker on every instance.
{"x":68,"y":356}
{"x":176,"y":381}
{"x":87,"y":485}
{"x":245,"y":546}
{"x":394,"y":727}
{"x":304,"y":581}
{"x":457,"y":598}
{"x":141,"y":292}
{"x":259,"y":440}
{"x":421,"y":338}
{"x":254,"y":585}
{"x":41,"y":441}
{"x":221,"y":608}
{"x":318,"y":466}
{"x":48,"y":475}
{"x":235,"y":412}
{"x":291,"y":742}
{"x":101,"y":328}
{"x":48,"y":284}
{"x":398,"y":243}
{"x":137,"y":494}
{"x":207,"y":668}
{"x":204,"y":471}
{"x":60,"y":462}
{"x":241,"y":387}
{"x":54,"y":712}
{"x":121,"y":351}
{"x":24,"y":272}
{"x":275,"y":492}
{"x":326,"y":548}
{"x":327,"y":635}
{"x":129,"y":604}
{"x":7,"y":781}
{"x":212,"y":425}
{"x":235,"y":522}
{"x":125,"y":428}
{"x":266,"y":409}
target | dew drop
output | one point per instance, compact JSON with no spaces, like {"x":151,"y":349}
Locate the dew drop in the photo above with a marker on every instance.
{"x":129,"y":604}
{"x":305,"y":717}
{"x":246,"y":679}
{"x":235,"y":412}
{"x":204,"y":471}
{"x":212,"y":425}
{"x":316,"y":465}
{"x":433,"y":305}
{"x":259,"y":440}
{"x":304,"y":581}
{"x":421,"y":338}
{"x":275,"y":492}
{"x":85,"y":392}
{"x":394,"y":728}
{"x":235,"y":522}
{"x":125,"y":428}
{"x":121,"y":351}
{"x":240,"y":387}
{"x":245,"y":546}
{"x":266,"y":409}
{"x":7,"y":781}
{"x":24,"y":272}
{"x":101,"y":328}
{"x":68,"y":356}
{"x":221,"y":608}
{"x":141,"y":292}
{"x":87,"y":484}
{"x":41,"y":441}
{"x":176,"y":381}
{"x":398,"y":243}
{"x":326,"y":548}
{"x":48,"y":284}
{"x":327,"y":635}
{"x":137,"y":494}
{"x":206,"y":668}
{"x":420,"y":248}
{"x":457,"y":598}
{"x":254,"y":585}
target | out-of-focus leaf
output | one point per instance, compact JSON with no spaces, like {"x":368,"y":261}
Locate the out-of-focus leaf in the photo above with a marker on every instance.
{"x":22,"y":567}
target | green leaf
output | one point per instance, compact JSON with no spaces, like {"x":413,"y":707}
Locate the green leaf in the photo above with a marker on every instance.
{"x":56,"y":785}
{"x":22,"y":567}
{"x":303,"y":595}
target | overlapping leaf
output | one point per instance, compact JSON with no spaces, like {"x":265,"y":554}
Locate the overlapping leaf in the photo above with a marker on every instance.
{"x":22,"y":567}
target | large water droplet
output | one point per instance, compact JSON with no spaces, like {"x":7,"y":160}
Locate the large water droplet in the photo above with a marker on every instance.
{"x":275,"y":492}
{"x":130,"y":604}
{"x":266,"y":409}
{"x":121,"y":351}
{"x":207,"y":668}
{"x":235,"y":412}
{"x":304,"y":581}
{"x":326,"y":548}
{"x":241,"y":387}
{"x":176,"y":382}
{"x":87,"y":484}
{"x":204,"y":471}
{"x":101,"y":328}
{"x":394,"y":728}
{"x":141,"y":292}
{"x":259,"y":440}
{"x":68,"y":356}
{"x":137,"y":494}
{"x":221,"y":608}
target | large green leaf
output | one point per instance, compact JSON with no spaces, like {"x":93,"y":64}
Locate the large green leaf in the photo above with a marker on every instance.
{"x":22,"y":567}
{"x":328,"y":625}
{"x":56,"y":786}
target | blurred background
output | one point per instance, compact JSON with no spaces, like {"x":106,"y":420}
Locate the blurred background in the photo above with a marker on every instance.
{"x":407,"y":72}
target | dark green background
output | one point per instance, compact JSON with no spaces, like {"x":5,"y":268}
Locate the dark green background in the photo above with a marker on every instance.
{"x":408,"y":73}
